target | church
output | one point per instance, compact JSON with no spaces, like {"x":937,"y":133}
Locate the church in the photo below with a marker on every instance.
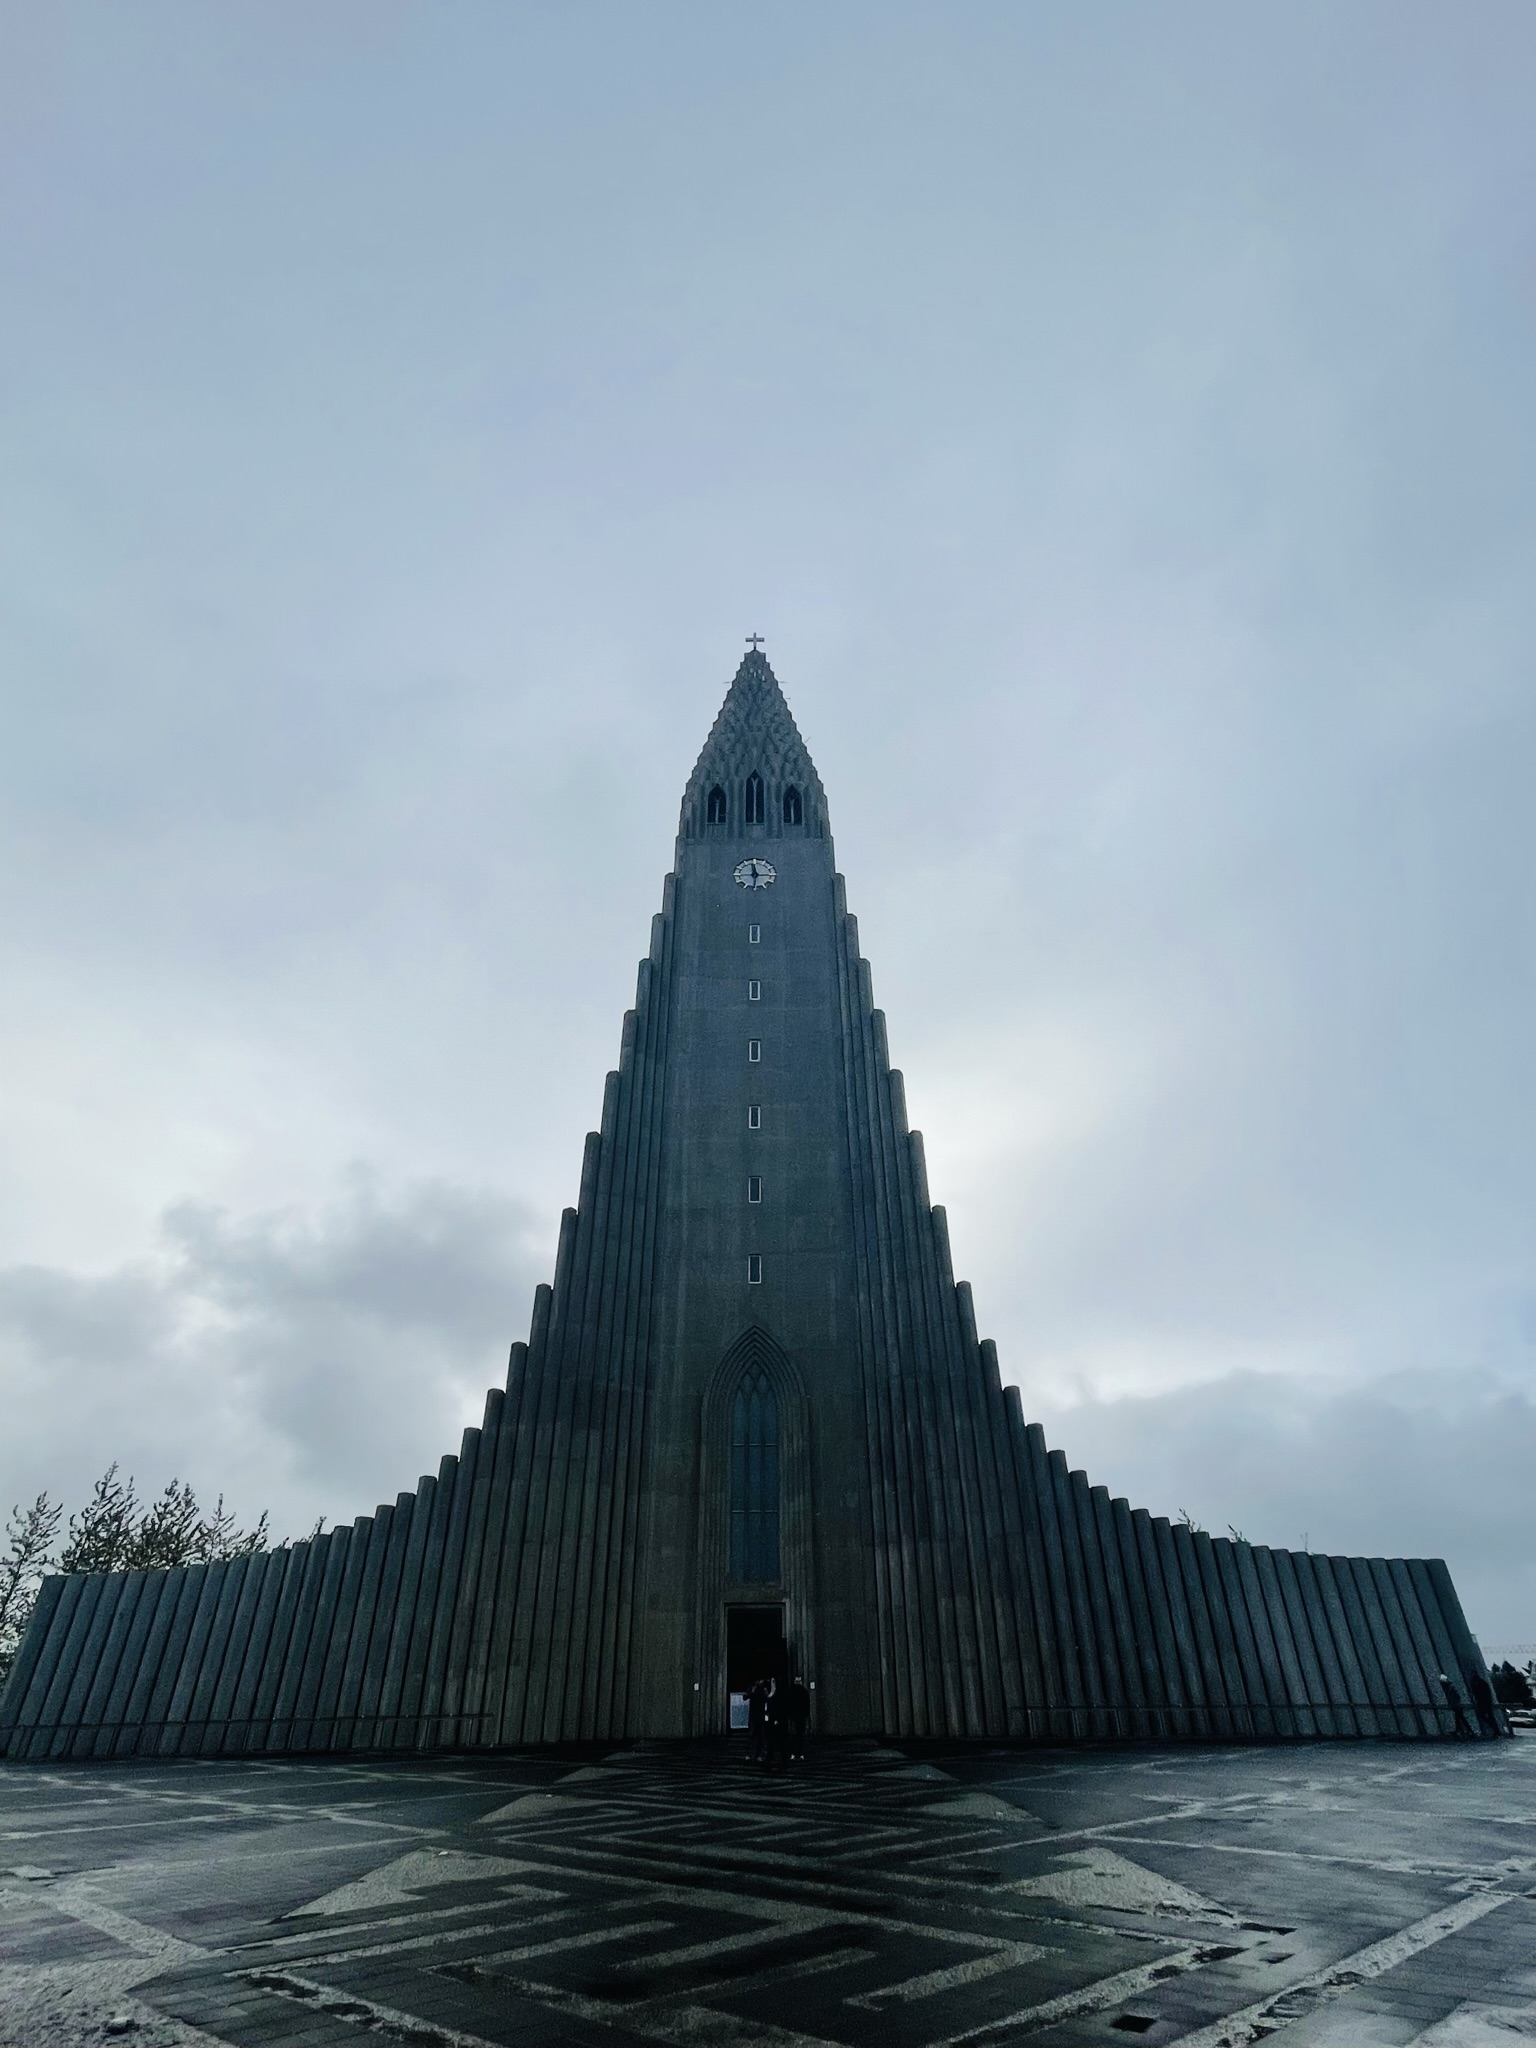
{"x":753,"y":1429}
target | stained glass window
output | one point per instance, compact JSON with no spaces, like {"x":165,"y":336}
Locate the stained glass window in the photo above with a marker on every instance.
{"x":755,"y":1482}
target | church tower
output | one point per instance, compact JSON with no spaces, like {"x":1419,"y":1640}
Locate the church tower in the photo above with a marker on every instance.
{"x":752,"y":1429}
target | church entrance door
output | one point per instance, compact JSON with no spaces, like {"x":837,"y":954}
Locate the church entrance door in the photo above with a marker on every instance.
{"x":754,"y":1648}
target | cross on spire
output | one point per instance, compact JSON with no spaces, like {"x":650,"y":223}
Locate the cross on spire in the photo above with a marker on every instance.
{"x":754,"y":641}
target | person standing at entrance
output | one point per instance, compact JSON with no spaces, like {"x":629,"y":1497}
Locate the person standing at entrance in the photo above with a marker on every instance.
{"x":778,"y":1723}
{"x":757,"y":1722}
{"x":799,"y":1713}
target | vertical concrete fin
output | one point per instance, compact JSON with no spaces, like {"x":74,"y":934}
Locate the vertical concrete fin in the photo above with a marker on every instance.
{"x":1122,"y":1611}
{"x":346,"y":1706}
{"x":1079,"y":1505}
{"x":1361,"y":1684}
{"x":72,"y":1712}
{"x":1376,"y":1598}
{"x":35,"y":1655}
{"x":436,"y":1731}
{"x":434,"y":1551}
{"x":119,"y":1661}
{"x":1181,"y":1626}
{"x":1095,"y":1696}
{"x":460,"y":1721}
{"x":394,"y":1729}
{"x":1173,"y":1692}
{"x":1158,"y":1722}
{"x":203,"y":1723}
{"x":889,"y":1672}
{"x":895,"y":1502}
{"x":1448,"y":1630}
{"x":187,"y":1583}
{"x":309,"y":1665}
{"x":1304,"y":1636}
{"x":333,"y":1657}
{"x":1224,"y":1635}
{"x":1299,"y":1712}
{"x":71,"y":1627}
{"x":931,"y":1335}
{"x":621,"y":1640}
{"x":368,"y":1706}
{"x":1256,"y":1721}
{"x":567,"y":1569}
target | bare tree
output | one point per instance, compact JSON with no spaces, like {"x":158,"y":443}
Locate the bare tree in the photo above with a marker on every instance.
{"x":218,"y":1537}
{"x":102,"y":1533}
{"x":30,"y":1536}
{"x":113,"y":1532}
{"x":166,"y":1532}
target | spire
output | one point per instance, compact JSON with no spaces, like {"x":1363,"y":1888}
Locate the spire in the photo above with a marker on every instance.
{"x":754,"y":733}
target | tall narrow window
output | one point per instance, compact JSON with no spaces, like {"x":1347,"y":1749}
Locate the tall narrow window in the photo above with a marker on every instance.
{"x":714,"y":810}
{"x":754,"y":934}
{"x":754,"y":1116}
{"x":755,"y":1482}
{"x":792,"y":805}
{"x":754,"y":1187}
{"x":754,"y":991}
{"x":752,"y":809}
{"x":754,"y":1269}
{"x":754,"y":1048}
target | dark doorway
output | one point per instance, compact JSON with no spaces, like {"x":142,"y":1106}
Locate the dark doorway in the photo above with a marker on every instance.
{"x":754,"y":1648}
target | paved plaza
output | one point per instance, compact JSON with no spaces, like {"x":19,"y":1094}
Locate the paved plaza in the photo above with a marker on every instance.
{"x":879,"y":1898}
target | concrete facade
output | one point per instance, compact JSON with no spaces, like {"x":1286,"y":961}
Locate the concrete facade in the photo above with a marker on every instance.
{"x":753,"y":1220}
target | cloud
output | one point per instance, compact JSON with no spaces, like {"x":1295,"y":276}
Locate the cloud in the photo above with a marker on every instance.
{"x":307,"y":1362}
{"x":1425,"y":1464}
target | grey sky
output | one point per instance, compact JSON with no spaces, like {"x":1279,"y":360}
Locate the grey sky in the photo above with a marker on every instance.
{"x":1119,"y":420}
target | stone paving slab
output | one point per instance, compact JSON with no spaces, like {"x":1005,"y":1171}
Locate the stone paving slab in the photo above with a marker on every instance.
{"x":1367,"y":1894}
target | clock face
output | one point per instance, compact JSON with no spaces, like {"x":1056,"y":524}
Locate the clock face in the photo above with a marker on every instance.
{"x":755,"y":874}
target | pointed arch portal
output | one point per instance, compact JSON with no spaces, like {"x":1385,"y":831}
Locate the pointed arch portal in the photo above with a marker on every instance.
{"x":754,"y":1548}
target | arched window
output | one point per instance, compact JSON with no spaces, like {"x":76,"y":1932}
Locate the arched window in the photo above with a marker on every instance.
{"x":755,"y":1482}
{"x":792,"y":805}
{"x":714,"y":810}
{"x":753,"y":809}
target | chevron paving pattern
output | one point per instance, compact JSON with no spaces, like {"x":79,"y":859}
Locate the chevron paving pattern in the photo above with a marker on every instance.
{"x":871,"y":1897}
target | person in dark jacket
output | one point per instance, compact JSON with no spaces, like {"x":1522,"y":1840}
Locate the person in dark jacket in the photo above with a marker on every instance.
{"x":1455,"y":1702}
{"x":757,"y":1722}
{"x":778,"y":1723}
{"x":799,"y":1707}
{"x":1491,"y":1717}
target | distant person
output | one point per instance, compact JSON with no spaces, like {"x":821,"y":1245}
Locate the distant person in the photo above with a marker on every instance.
{"x":1511,"y":1688}
{"x":778,"y":1723}
{"x":799,"y":1707}
{"x":1488,"y":1715}
{"x":757,"y":1722}
{"x":1454,"y":1701}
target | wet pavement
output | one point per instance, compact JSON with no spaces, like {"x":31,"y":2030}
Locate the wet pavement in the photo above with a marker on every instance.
{"x":1364,"y":1893}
